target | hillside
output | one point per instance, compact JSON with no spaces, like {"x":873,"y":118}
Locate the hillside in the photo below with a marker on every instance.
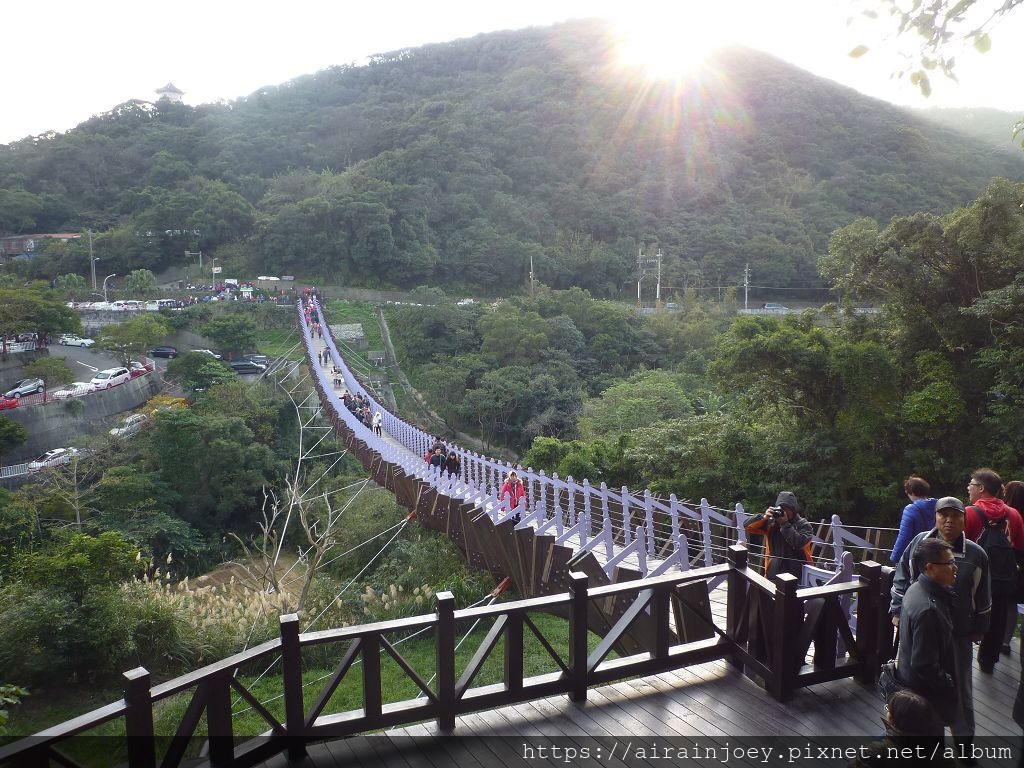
{"x":991,"y":125}
{"x":454,"y":164}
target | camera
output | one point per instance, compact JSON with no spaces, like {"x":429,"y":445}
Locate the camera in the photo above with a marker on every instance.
{"x":776,"y":512}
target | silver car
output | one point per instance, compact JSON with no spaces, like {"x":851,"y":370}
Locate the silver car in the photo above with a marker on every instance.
{"x":25,"y":387}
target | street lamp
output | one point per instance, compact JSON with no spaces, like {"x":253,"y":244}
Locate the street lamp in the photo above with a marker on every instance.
{"x":213,"y":273}
{"x":105,"y":286}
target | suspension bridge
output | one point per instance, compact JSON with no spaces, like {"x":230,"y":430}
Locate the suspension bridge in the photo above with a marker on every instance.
{"x":670,"y":631}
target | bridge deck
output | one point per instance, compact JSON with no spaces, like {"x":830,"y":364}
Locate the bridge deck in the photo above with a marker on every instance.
{"x":713,"y":703}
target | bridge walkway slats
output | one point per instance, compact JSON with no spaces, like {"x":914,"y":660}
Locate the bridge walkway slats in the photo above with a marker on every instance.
{"x":711,"y":700}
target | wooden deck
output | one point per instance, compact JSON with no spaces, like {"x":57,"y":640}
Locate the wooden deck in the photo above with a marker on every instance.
{"x":708,"y":706}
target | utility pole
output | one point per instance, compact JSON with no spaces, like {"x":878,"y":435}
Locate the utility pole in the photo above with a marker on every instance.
{"x":746,"y":284}
{"x":531,"y":274}
{"x":92,"y":261}
{"x":657,"y":290}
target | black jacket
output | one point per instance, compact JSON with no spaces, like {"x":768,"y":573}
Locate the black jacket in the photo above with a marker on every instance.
{"x":925,"y":659}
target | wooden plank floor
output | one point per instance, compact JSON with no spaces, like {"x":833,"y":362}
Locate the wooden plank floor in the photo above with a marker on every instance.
{"x":708,"y":705}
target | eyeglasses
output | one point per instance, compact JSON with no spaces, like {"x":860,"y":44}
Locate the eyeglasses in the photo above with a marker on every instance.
{"x":950,"y":563}
{"x":973,"y":484}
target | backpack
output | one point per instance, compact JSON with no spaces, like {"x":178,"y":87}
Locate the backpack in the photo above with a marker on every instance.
{"x":1002,"y":560}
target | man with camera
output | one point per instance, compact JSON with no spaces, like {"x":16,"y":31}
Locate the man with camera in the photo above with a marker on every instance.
{"x":787,"y":536}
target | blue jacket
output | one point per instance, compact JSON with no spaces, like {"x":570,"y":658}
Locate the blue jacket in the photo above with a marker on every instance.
{"x":918,"y":517}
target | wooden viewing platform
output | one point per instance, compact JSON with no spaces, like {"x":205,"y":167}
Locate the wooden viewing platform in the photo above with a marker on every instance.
{"x":711,"y":706}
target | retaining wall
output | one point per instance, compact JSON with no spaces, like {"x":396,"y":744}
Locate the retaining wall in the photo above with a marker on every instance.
{"x":57,"y":423}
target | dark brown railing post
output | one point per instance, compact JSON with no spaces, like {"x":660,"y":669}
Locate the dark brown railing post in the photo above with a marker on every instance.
{"x":372,"y":695}
{"x":579,"y":604}
{"x":872,"y":616}
{"x":445,"y":641}
{"x":291,"y":675}
{"x":138,"y":720}
{"x":218,"y":718}
{"x":786,"y":623}
{"x":660,"y":600}
{"x":514,"y":652}
{"x":735,"y":599}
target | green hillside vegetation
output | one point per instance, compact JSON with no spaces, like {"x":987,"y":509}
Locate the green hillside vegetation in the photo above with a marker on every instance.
{"x":838,"y":406}
{"x":992,"y":125}
{"x":454,"y":164}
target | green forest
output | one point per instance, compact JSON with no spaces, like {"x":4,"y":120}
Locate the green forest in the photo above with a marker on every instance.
{"x":458,"y":164}
{"x":838,"y":406}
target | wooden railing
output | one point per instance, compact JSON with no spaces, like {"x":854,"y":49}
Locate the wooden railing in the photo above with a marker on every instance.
{"x":769,"y":627}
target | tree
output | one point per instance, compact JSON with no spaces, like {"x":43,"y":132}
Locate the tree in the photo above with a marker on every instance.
{"x":132,"y":337}
{"x":935,"y":27}
{"x":36,"y":310}
{"x":11,"y":434}
{"x":140,"y":283}
{"x":72,"y":284}
{"x":197,"y":371}
{"x":233,"y":334}
{"x":54,"y":372}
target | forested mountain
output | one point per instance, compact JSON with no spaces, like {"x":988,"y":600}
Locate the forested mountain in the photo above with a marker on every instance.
{"x":992,"y":125}
{"x":453,"y":164}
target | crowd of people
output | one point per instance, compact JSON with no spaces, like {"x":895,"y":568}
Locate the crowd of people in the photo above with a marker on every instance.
{"x":959,"y":575}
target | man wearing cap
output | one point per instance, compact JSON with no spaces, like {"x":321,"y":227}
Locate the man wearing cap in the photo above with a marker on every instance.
{"x":787,"y":536}
{"x":972,"y":606}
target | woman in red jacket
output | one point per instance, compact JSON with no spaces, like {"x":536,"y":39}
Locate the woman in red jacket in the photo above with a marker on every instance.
{"x":513,"y":490}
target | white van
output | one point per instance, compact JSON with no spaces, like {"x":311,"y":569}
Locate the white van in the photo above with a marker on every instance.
{"x":110,"y":378}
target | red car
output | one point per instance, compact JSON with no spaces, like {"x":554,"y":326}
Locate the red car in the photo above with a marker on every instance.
{"x":8,"y":402}
{"x":136,"y":369}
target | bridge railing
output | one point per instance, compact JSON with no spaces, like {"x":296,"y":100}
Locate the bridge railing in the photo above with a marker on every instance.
{"x":768,"y":628}
{"x":657,"y":532}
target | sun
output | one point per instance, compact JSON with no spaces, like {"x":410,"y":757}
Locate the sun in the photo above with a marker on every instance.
{"x":667,"y":44}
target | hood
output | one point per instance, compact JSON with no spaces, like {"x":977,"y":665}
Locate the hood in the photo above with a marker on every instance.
{"x":993,"y":508}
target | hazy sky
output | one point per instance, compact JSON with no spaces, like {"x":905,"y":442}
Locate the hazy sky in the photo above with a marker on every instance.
{"x":66,"y":60}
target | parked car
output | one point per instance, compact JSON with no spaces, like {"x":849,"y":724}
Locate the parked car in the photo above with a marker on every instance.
{"x":247,"y":366}
{"x":74,"y":389}
{"x":70,"y":340}
{"x":209,"y":352}
{"x":258,"y":359}
{"x":168,"y":352}
{"x":52,"y":458}
{"x":136,"y":369}
{"x":130,"y":426}
{"x":111,"y":377}
{"x":8,"y":402}
{"x":25,"y":387}
{"x":770,"y":307}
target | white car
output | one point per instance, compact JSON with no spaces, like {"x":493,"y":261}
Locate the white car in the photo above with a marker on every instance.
{"x":209,"y":352}
{"x":130,"y":426}
{"x":52,"y":458}
{"x":74,"y":389}
{"x":110,"y":378}
{"x":70,"y":340}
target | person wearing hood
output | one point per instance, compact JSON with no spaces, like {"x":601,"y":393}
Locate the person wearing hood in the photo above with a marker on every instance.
{"x":787,"y":536}
{"x":918,"y":515}
{"x":985,"y":489}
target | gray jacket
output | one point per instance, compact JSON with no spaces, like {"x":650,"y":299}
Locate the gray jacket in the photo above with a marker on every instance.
{"x":972,"y":607}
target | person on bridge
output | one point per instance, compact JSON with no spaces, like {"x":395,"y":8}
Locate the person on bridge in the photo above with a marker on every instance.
{"x":453,"y":464}
{"x":787,"y":536}
{"x":918,"y":516}
{"x":377,"y":421}
{"x":972,"y":606}
{"x":512,"y":491}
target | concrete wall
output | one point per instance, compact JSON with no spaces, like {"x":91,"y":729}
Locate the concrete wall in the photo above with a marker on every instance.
{"x":58,"y":423}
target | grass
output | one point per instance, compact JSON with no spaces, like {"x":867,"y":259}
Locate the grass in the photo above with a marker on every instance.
{"x":340,"y":312}
{"x":279,"y":343}
{"x":104,"y":745}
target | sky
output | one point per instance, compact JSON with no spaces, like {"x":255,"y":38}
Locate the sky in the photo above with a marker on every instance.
{"x":67,"y":60}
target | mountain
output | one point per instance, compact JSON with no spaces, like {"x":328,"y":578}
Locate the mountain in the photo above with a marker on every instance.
{"x":994,"y":126}
{"x":456,"y":164}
